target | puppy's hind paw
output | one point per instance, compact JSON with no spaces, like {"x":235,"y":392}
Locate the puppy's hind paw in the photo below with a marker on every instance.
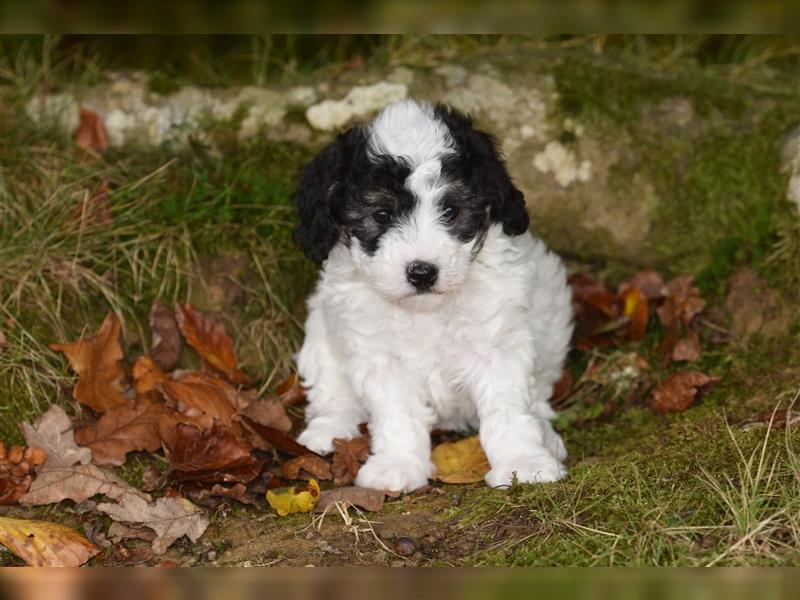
{"x":542,"y":468}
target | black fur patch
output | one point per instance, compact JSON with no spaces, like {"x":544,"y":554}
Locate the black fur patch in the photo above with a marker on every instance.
{"x":339,"y":191}
{"x":478,"y":165}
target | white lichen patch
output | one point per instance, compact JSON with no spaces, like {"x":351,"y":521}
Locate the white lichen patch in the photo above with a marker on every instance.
{"x":563,"y":164}
{"x":54,"y":110}
{"x":359,"y":101}
{"x":790,"y":164}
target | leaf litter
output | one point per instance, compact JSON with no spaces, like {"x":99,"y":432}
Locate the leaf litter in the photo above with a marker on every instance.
{"x":223,"y":441}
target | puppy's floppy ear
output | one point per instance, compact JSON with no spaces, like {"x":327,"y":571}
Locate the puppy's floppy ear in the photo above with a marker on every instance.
{"x":319,"y":193}
{"x":508,"y":206}
{"x":482,"y":165}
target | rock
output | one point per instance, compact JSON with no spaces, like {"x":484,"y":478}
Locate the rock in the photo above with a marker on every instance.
{"x":754,"y":307}
{"x":790,"y":164}
{"x":359,"y":101}
{"x":563,"y":164}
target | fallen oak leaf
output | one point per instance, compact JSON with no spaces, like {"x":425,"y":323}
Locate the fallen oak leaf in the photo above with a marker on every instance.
{"x":170,"y":518}
{"x":463,"y":461}
{"x":118,"y":531}
{"x":204,"y":497}
{"x":197,"y":394}
{"x":17,"y":471}
{"x":214,"y":455}
{"x":91,"y":132}
{"x":276,"y":438}
{"x":96,"y":360}
{"x":348,"y":456}
{"x":682,"y":302}
{"x":687,"y":348}
{"x":678,"y":391}
{"x":301,"y":498}
{"x":121,"y":556}
{"x":66,"y":473}
{"x":775,"y":419}
{"x":166,"y":344}
{"x":43,"y":544}
{"x":269,"y":412}
{"x":209,"y":338}
{"x":366,"y":498}
{"x":147,"y":375}
{"x":123,"y":429}
{"x":306,"y":466}
{"x":77,"y":483}
{"x":52,"y":432}
{"x":650,"y":283}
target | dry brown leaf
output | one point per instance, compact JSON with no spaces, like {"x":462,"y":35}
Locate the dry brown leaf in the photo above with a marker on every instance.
{"x":348,"y":456}
{"x":197,"y":394}
{"x":166,"y":344}
{"x":290,"y":390}
{"x":121,"y":556}
{"x":91,"y":133}
{"x":593,"y":304}
{"x":208,"y":337}
{"x":678,"y":391}
{"x":269,"y":412}
{"x":52,"y":432}
{"x":123,"y":429}
{"x":170,"y":518}
{"x":649,"y":283}
{"x":776,"y":419}
{"x":66,"y":473}
{"x":96,"y":360}
{"x":205,"y":497}
{"x":687,"y":348}
{"x":460,"y":462}
{"x":682,"y":302}
{"x":214,"y":455}
{"x":147,"y":375}
{"x":366,"y":498}
{"x":307,"y":466}
{"x":42,"y":544}
{"x":17,"y":471}
{"x":118,"y":531}
{"x":275,"y":438}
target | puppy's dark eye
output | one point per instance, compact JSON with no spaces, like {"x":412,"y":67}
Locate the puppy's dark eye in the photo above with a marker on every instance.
{"x":382,"y":217}
{"x":449,"y":213}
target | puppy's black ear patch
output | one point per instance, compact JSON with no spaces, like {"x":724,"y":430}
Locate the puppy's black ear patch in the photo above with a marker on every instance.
{"x":478,"y":161}
{"x":319,"y":194}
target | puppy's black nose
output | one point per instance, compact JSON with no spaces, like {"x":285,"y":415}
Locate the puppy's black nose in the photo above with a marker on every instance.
{"x":422,"y":275}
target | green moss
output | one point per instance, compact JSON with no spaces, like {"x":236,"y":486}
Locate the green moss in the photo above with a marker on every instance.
{"x":162,"y":83}
{"x":637,"y":494}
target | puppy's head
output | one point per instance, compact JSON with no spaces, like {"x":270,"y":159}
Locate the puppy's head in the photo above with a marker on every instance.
{"x":410,"y":196}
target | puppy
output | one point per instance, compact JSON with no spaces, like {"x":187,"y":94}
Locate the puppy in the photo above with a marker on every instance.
{"x":435,"y":307}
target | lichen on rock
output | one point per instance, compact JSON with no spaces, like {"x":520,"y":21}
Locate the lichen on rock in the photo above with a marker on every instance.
{"x":359,"y":101}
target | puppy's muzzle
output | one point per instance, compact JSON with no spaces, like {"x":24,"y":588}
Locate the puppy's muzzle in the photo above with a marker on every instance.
{"x":422,"y":275}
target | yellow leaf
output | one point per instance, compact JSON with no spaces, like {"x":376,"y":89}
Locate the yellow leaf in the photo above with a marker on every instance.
{"x":298,"y":499}
{"x":460,"y":462}
{"x":42,"y":544}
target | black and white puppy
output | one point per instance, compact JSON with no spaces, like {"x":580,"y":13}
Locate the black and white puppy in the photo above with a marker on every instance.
{"x":435,"y":307}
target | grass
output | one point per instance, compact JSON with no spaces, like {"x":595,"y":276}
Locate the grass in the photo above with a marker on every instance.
{"x":172,"y":213}
{"x":213,"y":228}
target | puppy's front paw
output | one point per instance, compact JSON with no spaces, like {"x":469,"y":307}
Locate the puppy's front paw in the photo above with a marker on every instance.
{"x":395,"y":474}
{"x":319,"y":435}
{"x":529,"y":469}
